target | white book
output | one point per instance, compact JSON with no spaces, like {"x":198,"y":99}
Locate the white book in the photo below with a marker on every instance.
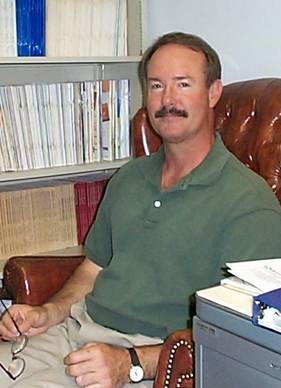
{"x":13,"y":96}
{"x":107,"y":119}
{"x":15,"y":128}
{"x":8,"y":32}
{"x":62,"y":128}
{"x":8,"y":137}
{"x":68,"y":122}
{"x":46,"y":116}
{"x":122,"y":136}
{"x":95,"y":121}
{"x":86,"y":28}
{"x":121,"y":24}
{"x":237,"y":301}
{"x":2,"y":145}
{"x":43,"y":124}
{"x":78,"y":123}
{"x":25,"y":123}
{"x":35,"y":125}
{"x":57,"y":125}
{"x":85,"y":121}
{"x":88,"y":119}
{"x":57,"y":12}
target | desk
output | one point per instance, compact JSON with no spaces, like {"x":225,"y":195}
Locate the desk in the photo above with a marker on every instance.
{"x":230,"y":352}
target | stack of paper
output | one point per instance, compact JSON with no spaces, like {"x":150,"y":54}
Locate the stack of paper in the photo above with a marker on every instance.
{"x":257,"y":276}
{"x":250,"y":278}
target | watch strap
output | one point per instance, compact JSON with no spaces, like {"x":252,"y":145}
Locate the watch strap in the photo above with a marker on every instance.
{"x":134,"y":357}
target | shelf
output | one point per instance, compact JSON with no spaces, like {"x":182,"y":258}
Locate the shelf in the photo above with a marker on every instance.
{"x":30,"y":70}
{"x":64,"y":60}
{"x":19,"y":180}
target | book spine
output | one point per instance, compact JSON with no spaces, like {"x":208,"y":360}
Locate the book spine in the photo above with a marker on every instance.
{"x":8,"y":46}
{"x":82,"y":211}
{"x":46,"y":215}
{"x":30,"y":22}
{"x":88,"y":196}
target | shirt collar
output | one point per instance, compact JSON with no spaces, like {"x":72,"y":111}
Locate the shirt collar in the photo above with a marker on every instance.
{"x":208,"y":171}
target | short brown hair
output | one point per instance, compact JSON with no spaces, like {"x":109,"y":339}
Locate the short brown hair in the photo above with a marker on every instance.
{"x":190,"y":41}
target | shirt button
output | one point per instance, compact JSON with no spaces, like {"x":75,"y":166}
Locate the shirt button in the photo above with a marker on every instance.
{"x":157,"y":203}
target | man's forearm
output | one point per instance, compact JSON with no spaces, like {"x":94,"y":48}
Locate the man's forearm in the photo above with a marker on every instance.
{"x":75,"y":289}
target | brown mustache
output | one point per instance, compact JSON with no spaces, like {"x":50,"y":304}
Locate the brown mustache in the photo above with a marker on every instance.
{"x":170,"y":111}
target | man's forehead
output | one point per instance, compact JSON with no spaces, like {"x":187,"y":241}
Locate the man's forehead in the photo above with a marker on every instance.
{"x":172,"y":57}
{"x":177,"y":51}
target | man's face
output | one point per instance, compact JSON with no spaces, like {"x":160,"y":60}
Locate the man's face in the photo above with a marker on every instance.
{"x":178,"y":99}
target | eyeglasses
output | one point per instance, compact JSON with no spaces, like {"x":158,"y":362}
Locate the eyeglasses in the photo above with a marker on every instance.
{"x":17,"y":365}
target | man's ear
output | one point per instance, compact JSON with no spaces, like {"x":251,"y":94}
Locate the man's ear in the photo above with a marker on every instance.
{"x":215,"y":92}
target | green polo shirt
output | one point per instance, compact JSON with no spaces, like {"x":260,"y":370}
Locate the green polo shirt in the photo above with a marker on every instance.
{"x":157,"y":248}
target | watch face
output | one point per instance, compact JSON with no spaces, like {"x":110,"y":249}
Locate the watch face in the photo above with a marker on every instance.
{"x":136,"y":373}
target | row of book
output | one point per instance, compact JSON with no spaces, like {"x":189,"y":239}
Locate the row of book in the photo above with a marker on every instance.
{"x":47,"y":218}
{"x":87,"y":199}
{"x":60,"y":124}
{"x":63,"y":28}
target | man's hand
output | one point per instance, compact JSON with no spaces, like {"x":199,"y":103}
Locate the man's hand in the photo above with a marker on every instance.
{"x":99,"y":365}
{"x":30,"y":321}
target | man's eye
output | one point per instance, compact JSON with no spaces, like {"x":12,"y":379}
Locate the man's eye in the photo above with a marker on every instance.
{"x":184,"y":84}
{"x":155,"y":86}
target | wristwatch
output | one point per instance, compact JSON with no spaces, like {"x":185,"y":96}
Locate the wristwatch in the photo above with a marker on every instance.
{"x":136,"y":372}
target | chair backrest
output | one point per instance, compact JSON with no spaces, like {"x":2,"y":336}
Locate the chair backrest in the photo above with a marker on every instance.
{"x":248,"y":116}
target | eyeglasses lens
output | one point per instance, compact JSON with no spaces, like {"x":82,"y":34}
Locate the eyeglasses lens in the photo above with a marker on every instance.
{"x":19,"y":344}
{"x":16,"y":367}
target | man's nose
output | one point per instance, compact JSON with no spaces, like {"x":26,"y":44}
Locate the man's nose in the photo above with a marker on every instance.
{"x":168,"y":97}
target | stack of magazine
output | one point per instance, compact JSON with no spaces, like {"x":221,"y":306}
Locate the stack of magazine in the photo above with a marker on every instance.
{"x":247,"y":279}
{"x":61,"y":124}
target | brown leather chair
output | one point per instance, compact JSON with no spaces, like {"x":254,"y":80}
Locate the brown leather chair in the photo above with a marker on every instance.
{"x":248,"y":117}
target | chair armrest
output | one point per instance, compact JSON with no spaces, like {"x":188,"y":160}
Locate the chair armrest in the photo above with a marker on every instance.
{"x":176,"y":363}
{"x":34,"y":279}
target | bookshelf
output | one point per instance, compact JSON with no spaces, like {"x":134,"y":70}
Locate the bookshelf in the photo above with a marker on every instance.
{"x":42,"y":70}
{"x":18,"y":71}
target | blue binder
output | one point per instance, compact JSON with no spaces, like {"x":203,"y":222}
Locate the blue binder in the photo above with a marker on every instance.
{"x":30,"y":18}
{"x":267,"y":310}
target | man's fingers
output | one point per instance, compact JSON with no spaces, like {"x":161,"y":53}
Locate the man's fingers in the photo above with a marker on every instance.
{"x":7,"y":328}
{"x":80,"y":368}
{"x":83,"y":354}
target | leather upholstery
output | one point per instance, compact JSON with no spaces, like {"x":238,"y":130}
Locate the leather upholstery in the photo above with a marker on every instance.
{"x":175,"y":367}
{"x":249,"y":118}
{"x":34,"y":279}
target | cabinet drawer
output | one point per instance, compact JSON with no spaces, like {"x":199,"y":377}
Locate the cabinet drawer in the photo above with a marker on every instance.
{"x":227,"y":360}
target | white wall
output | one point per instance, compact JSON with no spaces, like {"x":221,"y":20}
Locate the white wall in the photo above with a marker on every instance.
{"x":245,"y":33}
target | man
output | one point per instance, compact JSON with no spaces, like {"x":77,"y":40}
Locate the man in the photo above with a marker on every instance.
{"x":166,"y":225}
